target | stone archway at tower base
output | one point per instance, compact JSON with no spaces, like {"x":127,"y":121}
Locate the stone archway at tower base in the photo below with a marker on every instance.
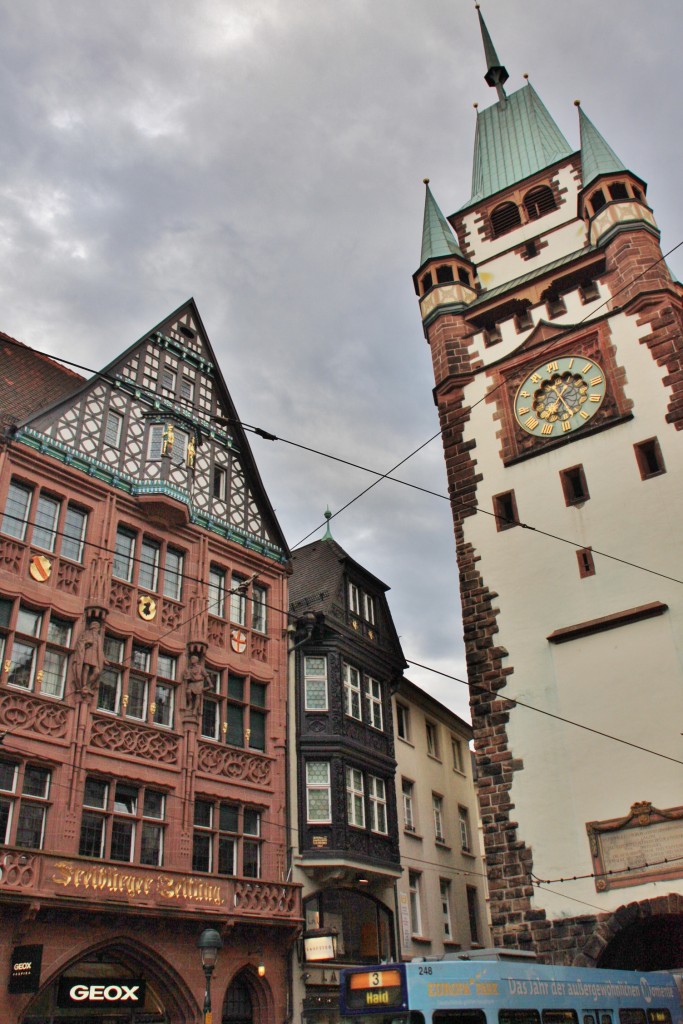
{"x":638,"y":936}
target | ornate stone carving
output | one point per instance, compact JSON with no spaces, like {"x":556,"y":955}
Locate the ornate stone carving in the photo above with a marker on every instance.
{"x":199,"y":619}
{"x":265,"y":898}
{"x":17,"y":870}
{"x":233,"y":764}
{"x":11,"y":554}
{"x":100,"y":577}
{"x":194,"y":679}
{"x":148,"y":744}
{"x":121,"y":597}
{"x":171,"y":614}
{"x":216,"y":632}
{"x":19,"y":711}
{"x":88,"y":658}
{"x":69,"y":577}
{"x":259,"y":647}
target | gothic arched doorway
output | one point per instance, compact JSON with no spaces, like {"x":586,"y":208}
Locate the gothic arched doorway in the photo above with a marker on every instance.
{"x":237,"y":1005}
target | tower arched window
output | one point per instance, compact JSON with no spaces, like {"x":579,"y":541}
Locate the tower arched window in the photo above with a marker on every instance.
{"x":505,"y":218}
{"x":426,"y":282}
{"x":444,"y":274}
{"x":539,"y":201}
{"x":598,"y":200}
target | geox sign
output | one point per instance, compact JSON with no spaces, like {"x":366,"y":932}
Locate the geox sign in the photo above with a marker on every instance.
{"x":24,"y":972}
{"x":127,"y":992}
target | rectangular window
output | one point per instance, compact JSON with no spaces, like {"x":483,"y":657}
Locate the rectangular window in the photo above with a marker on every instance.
{"x":124,"y":550}
{"x":226,"y":839}
{"x":211,"y":718}
{"x":235,"y":733}
{"x":437,"y":809}
{"x":574,"y":486}
{"x":217,"y":591}
{"x":402,"y":721}
{"x":355,"y":797}
{"x":473,"y":912}
{"x":258,"y":608}
{"x":352,"y":701}
{"x":112,"y":429}
{"x":16,"y":512}
{"x":138,"y":688}
{"x":649,"y":458}
{"x":369,"y":608}
{"x":148,"y":571}
{"x":75,"y":525}
{"x":464,"y":824}
{"x":586,"y":562}
{"x":445,"y":894}
{"x":251,"y":845}
{"x":219,"y":483}
{"x":179,"y":451}
{"x":505,"y":510}
{"x":408,"y":814}
{"x":56,"y":657}
{"x":186,"y":389}
{"x":168,"y":382}
{"x":458,"y":761}
{"x":432,"y":735}
{"x":378,"y":804}
{"x":164,"y":700}
{"x":173,"y":574}
{"x":415,"y":908}
{"x":122,"y":822}
{"x":373,"y":697}
{"x":238,"y":600}
{"x":315,"y":683}
{"x":202,"y":838}
{"x":156,"y":442}
{"x":354,"y":599}
{"x":318,"y":792}
{"x":45,"y":526}
{"x":24,"y":792}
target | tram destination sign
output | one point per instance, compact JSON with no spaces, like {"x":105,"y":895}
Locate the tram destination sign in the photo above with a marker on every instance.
{"x":100,"y":992}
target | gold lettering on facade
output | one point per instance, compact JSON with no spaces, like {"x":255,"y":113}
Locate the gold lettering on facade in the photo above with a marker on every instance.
{"x":103,"y":878}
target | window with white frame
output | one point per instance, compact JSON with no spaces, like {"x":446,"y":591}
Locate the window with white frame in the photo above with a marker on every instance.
{"x":432,"y":738}
{"x":464,"y":824}
{"x":355,"y":797}
{"x":122,"y":822}
{"x":148,"y":569}
{"x":408,"y":790}
{"x":124,"y":554}
{"x":238,"y":600}
{"x":445,"y":894}
{"x":112,"y":429}
{"x":402,"y":721}
{"x":217,"y":591}
{"x":58,"y":527}
{"x":352,"y":694}
{"x":24,"y":803}
{"x":149,"y":562}
{"x":369,"y":608}
{"x":315,"y":683}
{"x":173,"y":574}
{"x":164,"y":693}
{"x":35,"y":647}
{"x":212,"y":704}
{"x":437,"y":810}
{"x":219,"y":483}
{"x":414,"y":886}
{"x":186,"y":388}
{"x":318,"y":792}
{"x":354,"y":599}
{"x":458,"y":760}
{"x":377,"y":796}
{"x":259,"y":607}
{"x":168,"y":382}
{"x":373,"y":697}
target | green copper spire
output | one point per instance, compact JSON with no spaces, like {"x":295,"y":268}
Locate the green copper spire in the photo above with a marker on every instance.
{"x":596,"y":156}
{"x":514,"y":139}
{"x":328,"y":533}
{"x":437,"y":236}
{"x":496,"y":73}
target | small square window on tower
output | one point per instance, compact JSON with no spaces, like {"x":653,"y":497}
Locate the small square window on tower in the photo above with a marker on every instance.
{"x":650,"y":459}
{"x":574,"y":485}
{"x":505,"y":510}
{"x":586,"y":562}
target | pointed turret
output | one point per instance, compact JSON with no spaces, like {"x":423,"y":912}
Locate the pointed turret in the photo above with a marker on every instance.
{"x":442,"y":261}
{"x":496,"y":73}
{"x":612,"y":197}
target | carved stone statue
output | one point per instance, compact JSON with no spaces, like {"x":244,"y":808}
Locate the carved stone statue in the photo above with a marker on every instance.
{"x":194,"y":677}
{"x":88,"y":659}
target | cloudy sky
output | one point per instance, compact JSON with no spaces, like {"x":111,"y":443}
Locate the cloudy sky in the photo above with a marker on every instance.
{"x":267,"y":157}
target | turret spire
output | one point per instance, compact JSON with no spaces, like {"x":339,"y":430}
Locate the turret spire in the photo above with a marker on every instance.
{"x":328,"y":533}
{"x":496,"y":73}
{"x":437,"y":235}
{"x":597,"y":157}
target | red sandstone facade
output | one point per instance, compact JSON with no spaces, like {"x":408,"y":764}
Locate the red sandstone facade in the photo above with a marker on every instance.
{"x":143,"y":589}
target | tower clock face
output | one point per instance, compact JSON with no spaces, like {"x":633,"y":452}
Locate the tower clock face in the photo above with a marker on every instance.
{"x":560,"y":396}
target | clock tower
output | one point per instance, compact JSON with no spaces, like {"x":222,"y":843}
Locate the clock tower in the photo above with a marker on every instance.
{"x":556,"y":331}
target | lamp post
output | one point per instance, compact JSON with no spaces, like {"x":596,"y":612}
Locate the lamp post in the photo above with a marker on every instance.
{"x":209,"y":944}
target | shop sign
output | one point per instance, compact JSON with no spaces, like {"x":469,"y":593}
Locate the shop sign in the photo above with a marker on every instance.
{"x":321,"y":947}
{"x":102,"y":992}
{"x":24,"y":971}
{"x":110,"y":881}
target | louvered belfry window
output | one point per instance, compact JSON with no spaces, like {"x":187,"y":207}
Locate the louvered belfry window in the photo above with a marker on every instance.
{"x":505,"y":218}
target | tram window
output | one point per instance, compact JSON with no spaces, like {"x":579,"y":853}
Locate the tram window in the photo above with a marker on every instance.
{"x":560,"y":1017}
{"x":632,"y":1016}
{"x":415,"y":1017}
{"x":659,"y":1016}
{"x":519,"y":1017}
{"x":605,"y":1018}
{"x":459,"y":1017}
{"x":588,"y":1018}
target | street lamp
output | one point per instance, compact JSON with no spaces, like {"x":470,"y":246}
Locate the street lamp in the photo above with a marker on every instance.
{"x":209,"y":944}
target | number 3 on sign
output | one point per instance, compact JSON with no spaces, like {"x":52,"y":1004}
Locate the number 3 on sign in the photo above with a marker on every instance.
{"x":375,"y":979}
